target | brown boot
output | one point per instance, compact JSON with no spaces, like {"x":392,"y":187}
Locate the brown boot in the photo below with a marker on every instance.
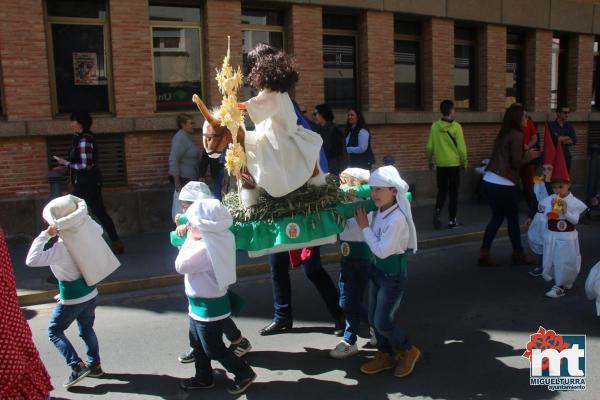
{"x":406,"y":361}
{"x":117,"y":247}
{"x":381,"y":362}
{"x":485,"y":258}
{"x":519,"y":257}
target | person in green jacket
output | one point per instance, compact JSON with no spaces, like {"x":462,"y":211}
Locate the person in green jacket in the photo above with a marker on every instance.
{"x":446,"y":148}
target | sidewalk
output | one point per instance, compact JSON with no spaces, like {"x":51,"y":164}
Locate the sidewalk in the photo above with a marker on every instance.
{"x":148,"y":260}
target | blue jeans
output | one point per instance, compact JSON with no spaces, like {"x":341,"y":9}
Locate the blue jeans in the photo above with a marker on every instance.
{"x":354,"y":276}
{"x":314,"y":271}
{"x":385,"y":295}
{"x":206,"y":339}
{"x":62,"y":317}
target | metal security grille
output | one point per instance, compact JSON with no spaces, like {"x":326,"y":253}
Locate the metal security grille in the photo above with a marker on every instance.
{"x":594,"y":134}
{"x":111,"y":154}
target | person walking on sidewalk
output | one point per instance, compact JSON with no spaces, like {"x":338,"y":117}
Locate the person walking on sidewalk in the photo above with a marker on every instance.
{"x":499,"y":185}
{"x":446,"y":146}
{"x":86,"y":176}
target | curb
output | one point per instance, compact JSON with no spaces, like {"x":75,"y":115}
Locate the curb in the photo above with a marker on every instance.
{"x":153,"y":282}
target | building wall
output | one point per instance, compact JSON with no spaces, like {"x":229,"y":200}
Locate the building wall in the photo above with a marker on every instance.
{"x":28,"y":119}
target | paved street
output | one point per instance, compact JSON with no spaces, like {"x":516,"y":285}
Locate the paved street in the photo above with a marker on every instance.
{"x":471,"y":324}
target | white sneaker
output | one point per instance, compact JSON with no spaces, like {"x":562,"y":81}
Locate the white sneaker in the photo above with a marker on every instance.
{"x":373,"y":340}
{"x":555,"y":292}
{"x":343,"y":350}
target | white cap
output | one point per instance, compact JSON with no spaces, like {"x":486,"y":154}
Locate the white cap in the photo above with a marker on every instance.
{"x":194,"y":190}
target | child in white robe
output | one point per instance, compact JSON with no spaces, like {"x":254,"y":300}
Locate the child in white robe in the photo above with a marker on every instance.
{"x":562,"y":259}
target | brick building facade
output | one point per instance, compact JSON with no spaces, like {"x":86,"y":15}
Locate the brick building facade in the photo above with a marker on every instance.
{"x":454,"y":41}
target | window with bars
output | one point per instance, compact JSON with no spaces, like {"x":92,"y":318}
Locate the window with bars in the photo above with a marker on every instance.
{"x":339,"y":60}
{"x":111,"y":156}
{"x":558,"y":71}
{"x":465,"y":68}
{"x":259,"y":26}
{"x":514,"y":68}
{"x":407,"y":64}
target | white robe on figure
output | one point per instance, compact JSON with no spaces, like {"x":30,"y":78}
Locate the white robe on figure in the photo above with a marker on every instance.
{"x":281,"y":154}
{"x":82,"y":237}
{"x":539,"y":225}
{"x":562,"y":259}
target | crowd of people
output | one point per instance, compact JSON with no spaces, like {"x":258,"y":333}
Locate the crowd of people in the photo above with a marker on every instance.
{"x":374,"y":245}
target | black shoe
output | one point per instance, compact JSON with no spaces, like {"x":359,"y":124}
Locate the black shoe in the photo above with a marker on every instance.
{"x":436,"y":218}
{"x":276,"y":327}
{"x":195,"y":383}
{"x":242,"y":348}
{"x":454,"y":224}
{"x":78,"y":372}
{"x":95,"y":371}
{"x":187,"y":357}
{"x":239,"y":386}
{"x":339,"y":327}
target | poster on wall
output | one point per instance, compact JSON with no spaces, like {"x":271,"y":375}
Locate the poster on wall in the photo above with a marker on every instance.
{"x":85,"y":68}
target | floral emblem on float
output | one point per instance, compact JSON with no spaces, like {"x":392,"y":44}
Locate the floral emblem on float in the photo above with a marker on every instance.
{"x":345,"y":249}
{"x":292,"y":230}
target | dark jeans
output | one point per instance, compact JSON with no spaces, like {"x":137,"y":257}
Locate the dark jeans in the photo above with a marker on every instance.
{"x":354,"y":276}
{"x":282,"y":290}
{"x":503,"y":201}
{"x":62,"y":317}
{"x":206,"y":339}
{"x":448,"y":181}
{"x":385,"y":295}
{"x":230,"y":330}
{"x":92,"y":194}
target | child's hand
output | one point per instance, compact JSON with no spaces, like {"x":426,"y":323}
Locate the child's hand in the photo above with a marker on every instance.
{"x":241,"y":106}
{"x":528,"y":222}
{"x":352,"y":193}
{"x":181,"y":230}
{"x":361,"y":218}
{"x":52,"y":230}
{"x":177,"y":218}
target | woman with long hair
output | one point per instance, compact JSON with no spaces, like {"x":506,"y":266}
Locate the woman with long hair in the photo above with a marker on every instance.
{"x":499,"y":184}
{"x":358,"y":140}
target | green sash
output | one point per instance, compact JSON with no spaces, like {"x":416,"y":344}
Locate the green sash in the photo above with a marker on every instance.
{"x":210,"y":308}
{"x":393,"y":264}
{"x":74,"y":289}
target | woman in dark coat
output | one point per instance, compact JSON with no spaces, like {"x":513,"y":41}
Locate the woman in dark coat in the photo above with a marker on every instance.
{"x":358,"y":141}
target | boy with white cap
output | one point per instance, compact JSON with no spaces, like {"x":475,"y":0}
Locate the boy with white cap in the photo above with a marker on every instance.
{"x":71,"y":238}
{"x":389,"y":235}
{"x":207,"y":258}
{"x":354,"y":272}
{"x":191,"y":192}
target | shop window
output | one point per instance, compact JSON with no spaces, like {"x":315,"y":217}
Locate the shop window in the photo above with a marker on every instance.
{"x":259,"y":26}
{"x":339,"y":60}
{"x":79,"y":56}
{"x":465,"y":86}
{"x":177,"y":56}
{"x":514,"y":69}
{"x":558,"y":71}
{"x":407,"y":64}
